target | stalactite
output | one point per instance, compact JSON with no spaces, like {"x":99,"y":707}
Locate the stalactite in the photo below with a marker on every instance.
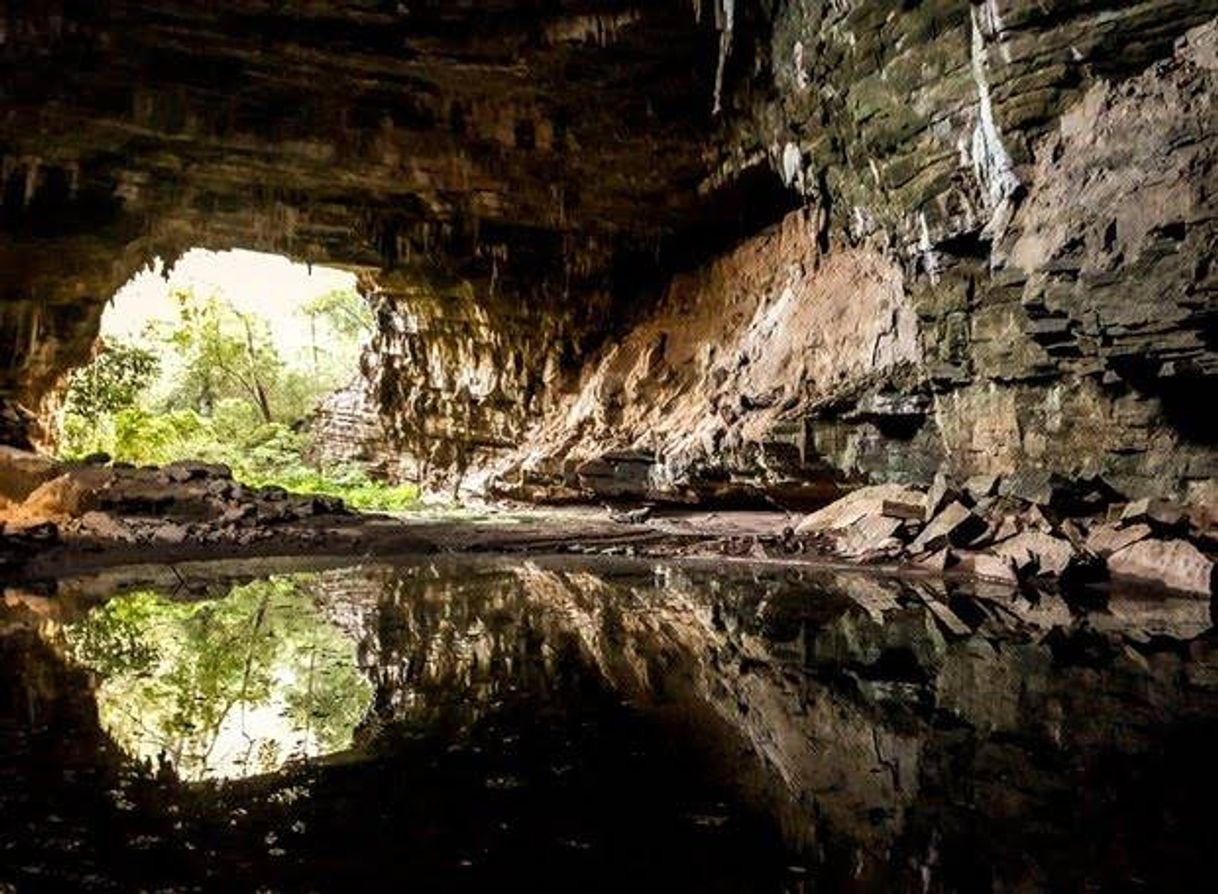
{"x":725,"y":21}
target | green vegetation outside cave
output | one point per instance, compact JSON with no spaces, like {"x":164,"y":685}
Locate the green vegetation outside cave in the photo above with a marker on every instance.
{"x":212,"y":385}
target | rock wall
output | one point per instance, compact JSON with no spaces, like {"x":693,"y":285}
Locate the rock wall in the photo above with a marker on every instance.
{"x":775,"y":249}
{"x":1050,"y":307}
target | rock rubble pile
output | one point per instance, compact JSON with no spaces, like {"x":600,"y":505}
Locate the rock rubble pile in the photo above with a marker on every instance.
{"x":185,"y":502}
{"x":1022,"y":529}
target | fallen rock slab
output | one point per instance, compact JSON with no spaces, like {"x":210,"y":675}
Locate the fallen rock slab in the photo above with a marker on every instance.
{"x":1176,"y":564}
{"x":1035,"y":549}
{"x":1159,"y":513}
{"x":905,"y":511}
{"x":954,"y":525}
{"x":856,"y":505}
{"x":869,"y":535}
{"x":1107,"y":539}
{"x":989,"y":566}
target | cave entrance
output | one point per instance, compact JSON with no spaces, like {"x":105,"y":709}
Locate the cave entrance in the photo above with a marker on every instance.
{"x":239,"y":358}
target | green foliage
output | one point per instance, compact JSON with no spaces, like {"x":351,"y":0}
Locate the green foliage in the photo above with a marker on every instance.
{"x":225,"y":687}
{"x":227,"y":354}
{"x":347,"y":313}
{"x":111,"y":384}
{"x":227,"y":397}
{"x":113,"y":381}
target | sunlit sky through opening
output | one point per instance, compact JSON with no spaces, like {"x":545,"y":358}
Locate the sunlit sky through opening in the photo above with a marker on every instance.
{"x":272,"y":286}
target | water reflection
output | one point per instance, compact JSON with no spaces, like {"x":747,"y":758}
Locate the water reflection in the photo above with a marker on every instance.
{"x":610,"y":724}
{"x":222,"y":688}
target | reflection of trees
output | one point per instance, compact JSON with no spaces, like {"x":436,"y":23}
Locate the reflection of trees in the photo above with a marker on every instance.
{"x":225,"y":687}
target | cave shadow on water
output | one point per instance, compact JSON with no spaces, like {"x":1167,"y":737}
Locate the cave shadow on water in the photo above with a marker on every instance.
{"x":555,"y":724}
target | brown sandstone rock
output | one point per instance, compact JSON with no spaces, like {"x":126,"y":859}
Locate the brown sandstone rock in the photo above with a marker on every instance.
{"x":989,"y":566}
{"x":956,"y":524}
{"x":1176,"y":564}
{"x":856,"y":505}
{"x":1107,"y":539}
{"x":867,"y":536}
{"x":1039,"y":551}
{"x":21,"y":472}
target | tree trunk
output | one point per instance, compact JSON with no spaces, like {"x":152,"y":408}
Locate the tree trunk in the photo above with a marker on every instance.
{"x":264,"y":405}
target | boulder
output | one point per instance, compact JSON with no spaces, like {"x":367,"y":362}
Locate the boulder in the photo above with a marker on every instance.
{"x":955,"y":525}
{"x":981,"y":486}
{"x":1035,"y":518}
{"x":22,"y":472}
{"x":193,"y":471}
{"x":1176,"y":564}
{"x":1006,"y":529}
{"x":989,"y":566}
{"x":1108,"y":538}
{"x":1067,"y":496}
{"x":867,"y":536}
{"x":856,"y":505}
{"x":1159,"y":513}
{"x":170,"y":533}
{"x":904,"y":510}
{"x":1035,"y":549}
{"x":939,"y":495}
{"x":71,"y":494}
{"x":104,"y":526}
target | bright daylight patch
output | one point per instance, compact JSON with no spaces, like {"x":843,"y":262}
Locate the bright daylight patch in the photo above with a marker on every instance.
{"x":225,"y":358}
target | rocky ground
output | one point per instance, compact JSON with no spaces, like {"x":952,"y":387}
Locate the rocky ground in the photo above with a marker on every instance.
{"x":1037,"y":531}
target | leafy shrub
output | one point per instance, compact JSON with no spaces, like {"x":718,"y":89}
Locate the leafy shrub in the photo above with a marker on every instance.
{"x":230,"y":398}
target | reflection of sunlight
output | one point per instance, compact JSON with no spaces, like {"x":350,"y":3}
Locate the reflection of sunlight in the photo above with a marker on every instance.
{"x":222,"y":689}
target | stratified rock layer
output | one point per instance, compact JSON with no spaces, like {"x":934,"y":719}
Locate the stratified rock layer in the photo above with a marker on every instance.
{"x":978,"y":236}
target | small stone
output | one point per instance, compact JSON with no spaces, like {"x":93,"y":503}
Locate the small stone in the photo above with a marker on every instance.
{"x":1176,"y":564}
{"x":1036,"y":519}
{"x":186,"y":470}
{"x":170,"y":533}
{"x":238,"y":513}
{"x":105,"y":526}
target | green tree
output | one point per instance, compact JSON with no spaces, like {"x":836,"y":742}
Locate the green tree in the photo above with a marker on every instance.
{"x":226,"y":353}
{"x":113,"y":381}
{"x":346,"y":312}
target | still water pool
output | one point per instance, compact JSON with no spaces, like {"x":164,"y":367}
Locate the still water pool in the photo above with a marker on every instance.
{"x":549,"y":725}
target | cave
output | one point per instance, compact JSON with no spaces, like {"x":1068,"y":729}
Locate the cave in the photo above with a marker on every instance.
{"x":805,"y":400}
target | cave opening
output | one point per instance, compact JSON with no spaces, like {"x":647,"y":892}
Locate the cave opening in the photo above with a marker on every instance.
{"x":239,"y":359}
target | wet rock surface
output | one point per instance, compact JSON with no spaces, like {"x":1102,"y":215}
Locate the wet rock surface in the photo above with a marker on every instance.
{"x":534,"y":722}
